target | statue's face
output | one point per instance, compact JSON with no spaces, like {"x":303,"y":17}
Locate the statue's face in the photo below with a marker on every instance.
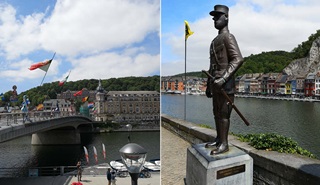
{"x":220,"y":21}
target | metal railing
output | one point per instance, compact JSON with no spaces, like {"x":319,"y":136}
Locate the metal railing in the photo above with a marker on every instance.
{"x":7,"y":119}
{"x":38,"y":171}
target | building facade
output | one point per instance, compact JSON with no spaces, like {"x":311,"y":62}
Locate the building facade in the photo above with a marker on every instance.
{"x":141,"y":107}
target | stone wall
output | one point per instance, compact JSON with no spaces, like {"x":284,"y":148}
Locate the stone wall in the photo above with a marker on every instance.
{"x":269,"y":167}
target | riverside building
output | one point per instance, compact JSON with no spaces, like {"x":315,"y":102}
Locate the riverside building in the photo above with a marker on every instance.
{"x":141,"y":107}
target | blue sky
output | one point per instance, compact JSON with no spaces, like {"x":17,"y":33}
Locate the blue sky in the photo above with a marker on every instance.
{"x":93,"y":39}
{"x":258,"y":25}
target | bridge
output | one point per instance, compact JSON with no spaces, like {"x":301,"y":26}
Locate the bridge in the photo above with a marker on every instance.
{"x":46,"y":128}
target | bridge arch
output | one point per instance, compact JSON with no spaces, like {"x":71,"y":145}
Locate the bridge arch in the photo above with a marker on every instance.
{"x":62,"y":130}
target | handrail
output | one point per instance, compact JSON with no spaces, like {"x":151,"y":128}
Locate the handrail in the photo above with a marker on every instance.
{"x":8,"y":119}
{"x":38,"y":171}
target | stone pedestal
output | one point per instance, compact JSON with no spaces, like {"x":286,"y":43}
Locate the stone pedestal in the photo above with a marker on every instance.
{"x":234,"y":167}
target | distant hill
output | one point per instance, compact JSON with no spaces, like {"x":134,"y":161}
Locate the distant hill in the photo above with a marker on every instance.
{"x":50,"y":90}
{"x":273,"y":61}
{"x":195,"y":74}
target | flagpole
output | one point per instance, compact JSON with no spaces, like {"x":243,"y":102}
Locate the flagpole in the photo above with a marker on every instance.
{"x":43,"y":78}
{"x":185,"y":78}
{"x":48,"y":68}
{"x":188,"y":32}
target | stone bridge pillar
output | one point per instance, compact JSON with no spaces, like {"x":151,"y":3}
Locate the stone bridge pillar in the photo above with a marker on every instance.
{"x":56,"y":137}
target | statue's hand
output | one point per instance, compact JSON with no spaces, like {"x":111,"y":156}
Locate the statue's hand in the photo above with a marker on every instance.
{"x":208,"y":90}
{"x":218,"y":83}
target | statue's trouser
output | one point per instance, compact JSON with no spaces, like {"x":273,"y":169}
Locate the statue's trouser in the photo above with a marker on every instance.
{"x":216,"y":141}
{"x":222,"y":111}
{"x":223,"y":137}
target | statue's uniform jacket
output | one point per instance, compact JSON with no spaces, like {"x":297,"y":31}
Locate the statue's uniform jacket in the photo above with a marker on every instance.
{"x":225,"y":59}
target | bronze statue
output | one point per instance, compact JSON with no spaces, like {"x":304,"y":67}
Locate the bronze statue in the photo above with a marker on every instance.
{"x":225,"y":60}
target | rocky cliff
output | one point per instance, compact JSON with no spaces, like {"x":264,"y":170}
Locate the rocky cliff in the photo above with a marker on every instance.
{"x":303,"y":66}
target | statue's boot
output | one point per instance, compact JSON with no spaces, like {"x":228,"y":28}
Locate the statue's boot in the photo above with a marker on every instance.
{"x":224,"y":129}
{"x":216,"y":141}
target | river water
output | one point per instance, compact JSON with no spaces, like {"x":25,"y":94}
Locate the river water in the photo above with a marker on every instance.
{"x":19,"y":153}
{"x":297,"y":120}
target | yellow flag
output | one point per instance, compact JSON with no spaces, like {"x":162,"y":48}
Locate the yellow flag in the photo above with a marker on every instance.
{"x":40,"y":107}
{"x":85,"y":99}
{"x":188,"y":31}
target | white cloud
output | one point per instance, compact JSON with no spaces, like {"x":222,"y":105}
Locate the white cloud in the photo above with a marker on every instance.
{"x":257,"y":25}
{"x":97,"y":37}
{"x":18,"y":37}
{"x":82,"y":27}
{"x":77,"y":27}
{"x":108,"y":65}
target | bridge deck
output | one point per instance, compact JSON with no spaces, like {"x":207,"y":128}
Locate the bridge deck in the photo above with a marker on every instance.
{"x":13,"y":125}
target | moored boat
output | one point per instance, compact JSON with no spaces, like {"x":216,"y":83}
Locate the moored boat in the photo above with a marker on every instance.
{"x":117,"y":165}
{"x":151,"y":166}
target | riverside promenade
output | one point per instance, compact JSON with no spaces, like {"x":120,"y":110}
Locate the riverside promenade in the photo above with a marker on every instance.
{"x":270,"y":167}
{"x":86,"y":179}
{"x":173,"y":158}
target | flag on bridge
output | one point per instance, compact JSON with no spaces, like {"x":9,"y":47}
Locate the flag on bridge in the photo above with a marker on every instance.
{"x":41,"y":65}
{"x":91,"y":105}
{"x":84,"y":99}
{"x":2,"y":97}
{"x":62,"y":82}
{"x":40,"y":107}
{"x":79,"y":93}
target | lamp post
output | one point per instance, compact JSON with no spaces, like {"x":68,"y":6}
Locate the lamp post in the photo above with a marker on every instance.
{"x":133,"y":156}
{"x":129,"y":127}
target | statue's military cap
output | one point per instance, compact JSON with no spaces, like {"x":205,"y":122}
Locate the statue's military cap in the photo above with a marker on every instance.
{"x":220,"y":9}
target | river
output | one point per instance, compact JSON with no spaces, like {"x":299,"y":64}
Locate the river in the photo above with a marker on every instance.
{"x":19,"y":153}
{"x":297,"y":120}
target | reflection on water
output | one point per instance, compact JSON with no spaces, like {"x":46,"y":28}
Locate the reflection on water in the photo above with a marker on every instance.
{"x":19,"y":153}
{"x":297,"y":120}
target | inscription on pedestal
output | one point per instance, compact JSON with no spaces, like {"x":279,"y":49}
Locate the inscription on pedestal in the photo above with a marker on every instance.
{"x":230,"y":171}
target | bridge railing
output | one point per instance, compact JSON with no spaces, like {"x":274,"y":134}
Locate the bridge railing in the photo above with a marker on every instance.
{"x":7,"y":119}
{"x":38,"y":171}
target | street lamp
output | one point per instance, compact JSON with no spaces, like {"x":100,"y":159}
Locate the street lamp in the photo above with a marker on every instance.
{"x":129,"y":127}
{"x":133,"y":156}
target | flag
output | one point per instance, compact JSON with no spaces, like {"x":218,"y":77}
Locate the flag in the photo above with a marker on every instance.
{"x":104,"y":151}
{"x":42,"y":65}
{"x":85,"y":99}
{"x":86,"y":154}
{"x":2,"y":97}
{"x":90,"y":105}
{"x":188,"y":32}
{"x":40,"y":107}
{"x":61,"y":83}
{"x":78,"y":93}
{"x":95,"y":154}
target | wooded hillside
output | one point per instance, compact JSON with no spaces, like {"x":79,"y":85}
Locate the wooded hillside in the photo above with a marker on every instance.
{"x":50,"y":90}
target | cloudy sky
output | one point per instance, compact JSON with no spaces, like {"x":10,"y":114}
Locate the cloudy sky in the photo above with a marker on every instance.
{"x":93,"y":39}
{"x":258,"y":25}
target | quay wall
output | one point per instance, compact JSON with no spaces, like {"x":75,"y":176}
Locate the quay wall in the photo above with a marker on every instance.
{"x":270,"y":167}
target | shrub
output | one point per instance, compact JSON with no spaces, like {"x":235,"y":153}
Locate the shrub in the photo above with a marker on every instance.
{"x":274,"y":142}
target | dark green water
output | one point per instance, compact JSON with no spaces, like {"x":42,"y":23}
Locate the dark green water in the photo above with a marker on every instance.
{"x":297,"y":120}
{"x":20,"y":153}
